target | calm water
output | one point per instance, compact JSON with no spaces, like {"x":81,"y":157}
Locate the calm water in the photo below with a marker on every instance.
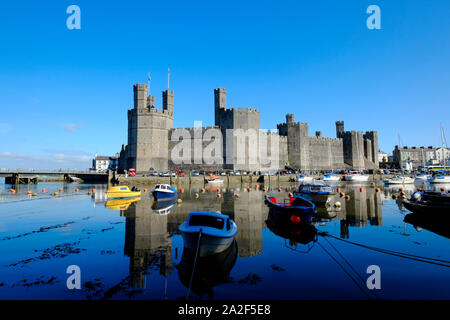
{"x":130,"y":251}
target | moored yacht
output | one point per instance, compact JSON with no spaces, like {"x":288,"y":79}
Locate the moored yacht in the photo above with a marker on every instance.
{"x":356,"y":176}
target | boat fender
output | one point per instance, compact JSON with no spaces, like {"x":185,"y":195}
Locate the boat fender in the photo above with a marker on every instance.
{"x":295,"y":219}
{"x":337,"y":204}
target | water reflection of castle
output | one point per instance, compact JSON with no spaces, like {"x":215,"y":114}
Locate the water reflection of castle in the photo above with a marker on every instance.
{"x":148,"y":240}
{"x":363,"y":208}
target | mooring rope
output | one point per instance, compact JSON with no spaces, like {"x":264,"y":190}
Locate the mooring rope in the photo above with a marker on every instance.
{"x":195,"y":261}
{"x":445,"y":263}
{"x":343,"y":269}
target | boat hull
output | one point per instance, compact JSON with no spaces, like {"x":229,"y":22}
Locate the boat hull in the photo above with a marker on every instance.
{"x":440,"y":180}
{"x":356,"y":178}
{"x":424,"y":208}
{"x":163,"y":196}
{"x":122,"y":195}
{"x":209,"y":245}
{"x":315,"y":197}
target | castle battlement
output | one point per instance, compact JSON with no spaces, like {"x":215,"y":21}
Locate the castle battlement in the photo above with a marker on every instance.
{"x":150,"y":132}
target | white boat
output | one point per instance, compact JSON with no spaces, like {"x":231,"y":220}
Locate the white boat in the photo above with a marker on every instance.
{"x":440,"y":178}
{"x":399,"y":180}
{"x":356,"y":176}
{"x":304,"y":178}
{"x":330,"y":177}
{"x":217,"y":232}
{"x":422,"y":176}
{"x":212,"y":179}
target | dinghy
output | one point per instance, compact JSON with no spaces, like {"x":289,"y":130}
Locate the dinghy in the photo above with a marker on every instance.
{"x":213,"y":232}
{"x":164,"y":192}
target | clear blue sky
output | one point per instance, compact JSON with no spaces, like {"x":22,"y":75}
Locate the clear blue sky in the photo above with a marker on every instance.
{"x":64,"y":94}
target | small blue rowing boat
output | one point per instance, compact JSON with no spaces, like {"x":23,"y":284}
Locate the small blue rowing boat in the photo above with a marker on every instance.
{"x":164,"y":192}
{"x":217,"y":232}
{"x":296,"y":204}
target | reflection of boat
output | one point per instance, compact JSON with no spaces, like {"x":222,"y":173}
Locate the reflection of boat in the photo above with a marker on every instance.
{"x":164,"y":207}
{"x":356,"y":176}
{"x":438,"y":224}
{"x":316,"y":191}
{"x":330,"y":177}
{"x":164,"y":192}
{"x":209,"y":272}
{"x":304,"y":178}
{"x":296,"y":233}
{"x":440,"y":178}
{"x":217,"y":232}
{"x":399,"y":180}
{"x":122,"y":192}
{"x":296,"y":205}
{"x":120,"y":204}
{"x":428,"y":202}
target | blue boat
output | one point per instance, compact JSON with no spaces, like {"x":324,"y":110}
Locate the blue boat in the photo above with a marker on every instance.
{"x":296,"y":205}
{"x":217,"y":232}
{"x":164,"y":192}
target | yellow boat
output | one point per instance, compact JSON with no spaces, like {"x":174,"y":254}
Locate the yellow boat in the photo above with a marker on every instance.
{"x":121,"y":192}
{"x":120,"y":204}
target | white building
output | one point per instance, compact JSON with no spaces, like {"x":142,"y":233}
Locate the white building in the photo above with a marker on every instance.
{"x":382,"y":156}
{"x":102,"y":163}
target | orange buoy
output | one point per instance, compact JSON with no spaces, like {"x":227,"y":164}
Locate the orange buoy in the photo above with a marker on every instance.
{"x":361,"y":189}
{"x":29,"y":193}
{"x":419,"y":189}
{"x":342,"y":194}
{"x":145,"y":190}
{"x":377,"y":190}
{"x":203,"y":190}
{"x":402,"y":193}
{"x":338,"y":190}
{"x":257,"y":186}
{"x":44,"y":190}
{"x":424,"y":183}
{"x":76,"y":190}
{"x":347,"y":197}
{"x":93,"y":190}
{"x":372,"y":184}
{"x":60,"y":190}
{"x":218,"y":190}
{"x":404,"y":197}
{"x":181,"y":190}
{"x":13,"y":190}
{"x":249,"y":189}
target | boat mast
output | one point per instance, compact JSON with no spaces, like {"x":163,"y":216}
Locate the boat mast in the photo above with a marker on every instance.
{"x":444,"y":145}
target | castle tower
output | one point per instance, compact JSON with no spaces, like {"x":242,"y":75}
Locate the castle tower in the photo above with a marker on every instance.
{"x":339,"y":129}
{"x":290,"y":118}
{"x":220,"y":99}
{"x":168,"y":101}
{"x":148,"y":131}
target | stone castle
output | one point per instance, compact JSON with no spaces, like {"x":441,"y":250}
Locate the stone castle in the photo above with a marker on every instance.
{"x":151,"y":141}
